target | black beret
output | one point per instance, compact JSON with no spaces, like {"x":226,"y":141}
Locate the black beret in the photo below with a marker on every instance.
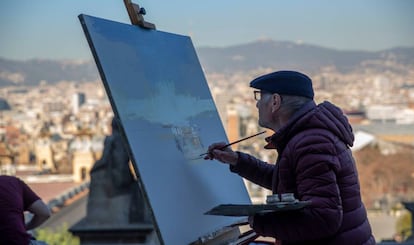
{"x":285,"y":82}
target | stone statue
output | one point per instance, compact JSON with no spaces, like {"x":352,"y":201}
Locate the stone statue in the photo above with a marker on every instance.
{"x":117,"y":212}
{"x":115,"y":196}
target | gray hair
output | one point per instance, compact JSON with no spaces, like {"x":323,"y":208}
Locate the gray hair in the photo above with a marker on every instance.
{"x":291,"y":103}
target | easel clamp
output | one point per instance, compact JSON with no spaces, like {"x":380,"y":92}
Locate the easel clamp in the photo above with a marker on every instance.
{"x":136,"y":15}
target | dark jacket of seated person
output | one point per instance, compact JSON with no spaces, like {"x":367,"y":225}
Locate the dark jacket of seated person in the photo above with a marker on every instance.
{"x":16,"y":197}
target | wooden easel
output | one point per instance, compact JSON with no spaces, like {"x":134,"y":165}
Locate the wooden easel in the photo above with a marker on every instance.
{"x":229,"y":235}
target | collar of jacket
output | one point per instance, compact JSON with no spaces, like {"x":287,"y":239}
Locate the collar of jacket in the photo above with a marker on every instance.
{"x":278,"y":140}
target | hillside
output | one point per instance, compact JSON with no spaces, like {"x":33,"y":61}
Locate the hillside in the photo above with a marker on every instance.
{"x":246,"y":57}
{"x":289,"y":55}
{"x":32,"y":72}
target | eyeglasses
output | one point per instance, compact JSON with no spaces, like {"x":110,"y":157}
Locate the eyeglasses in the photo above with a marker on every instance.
{"x":258,"y":94}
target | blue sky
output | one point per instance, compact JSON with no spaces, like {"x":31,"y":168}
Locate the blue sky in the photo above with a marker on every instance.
{"x":51,"y":30}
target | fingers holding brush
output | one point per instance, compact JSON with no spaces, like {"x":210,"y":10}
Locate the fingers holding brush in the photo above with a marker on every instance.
{"x":221,"y":152}
{"x":215,"y":146}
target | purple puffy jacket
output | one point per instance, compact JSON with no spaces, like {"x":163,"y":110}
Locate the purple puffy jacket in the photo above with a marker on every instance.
{"x":316,"y":164}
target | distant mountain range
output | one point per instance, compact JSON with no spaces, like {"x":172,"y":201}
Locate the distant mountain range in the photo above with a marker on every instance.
{"x":245,"y":57}
{"x":289,"y":55}
{"x":32,"y":72}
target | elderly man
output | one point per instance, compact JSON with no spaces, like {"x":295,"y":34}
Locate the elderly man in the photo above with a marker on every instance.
{"x":314,"y":162}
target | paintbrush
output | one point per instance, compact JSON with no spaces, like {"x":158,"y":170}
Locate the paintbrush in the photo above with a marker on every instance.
{"x":235,"y":142}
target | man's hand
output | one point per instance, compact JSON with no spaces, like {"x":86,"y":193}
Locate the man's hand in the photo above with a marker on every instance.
{"x":224,"y":155}
{"x":251,"y":220}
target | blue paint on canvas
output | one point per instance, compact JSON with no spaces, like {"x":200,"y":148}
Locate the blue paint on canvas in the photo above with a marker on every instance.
{"x":158,"y":90}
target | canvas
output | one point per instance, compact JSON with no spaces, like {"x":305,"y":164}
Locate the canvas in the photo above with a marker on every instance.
{"x":158,"y":91}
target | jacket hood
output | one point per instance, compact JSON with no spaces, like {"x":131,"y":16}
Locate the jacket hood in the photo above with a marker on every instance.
{"x":325,"y":116}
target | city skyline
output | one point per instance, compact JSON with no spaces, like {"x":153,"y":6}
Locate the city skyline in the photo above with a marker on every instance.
{"x":51,"y":29}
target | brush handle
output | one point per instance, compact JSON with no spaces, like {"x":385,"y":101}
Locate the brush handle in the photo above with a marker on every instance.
{"x":237,"y":141}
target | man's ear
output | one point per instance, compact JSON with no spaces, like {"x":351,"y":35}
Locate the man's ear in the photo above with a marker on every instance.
{"x":276,"y":102}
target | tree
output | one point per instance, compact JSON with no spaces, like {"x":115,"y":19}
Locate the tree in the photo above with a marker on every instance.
{"x":403,"y":226}
{"x":58,"y":236}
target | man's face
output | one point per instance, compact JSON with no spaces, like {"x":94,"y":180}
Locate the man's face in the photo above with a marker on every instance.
{"x":264,"y":108}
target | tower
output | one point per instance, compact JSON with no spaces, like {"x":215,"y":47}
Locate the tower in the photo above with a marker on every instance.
{"x":78,"y":99}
